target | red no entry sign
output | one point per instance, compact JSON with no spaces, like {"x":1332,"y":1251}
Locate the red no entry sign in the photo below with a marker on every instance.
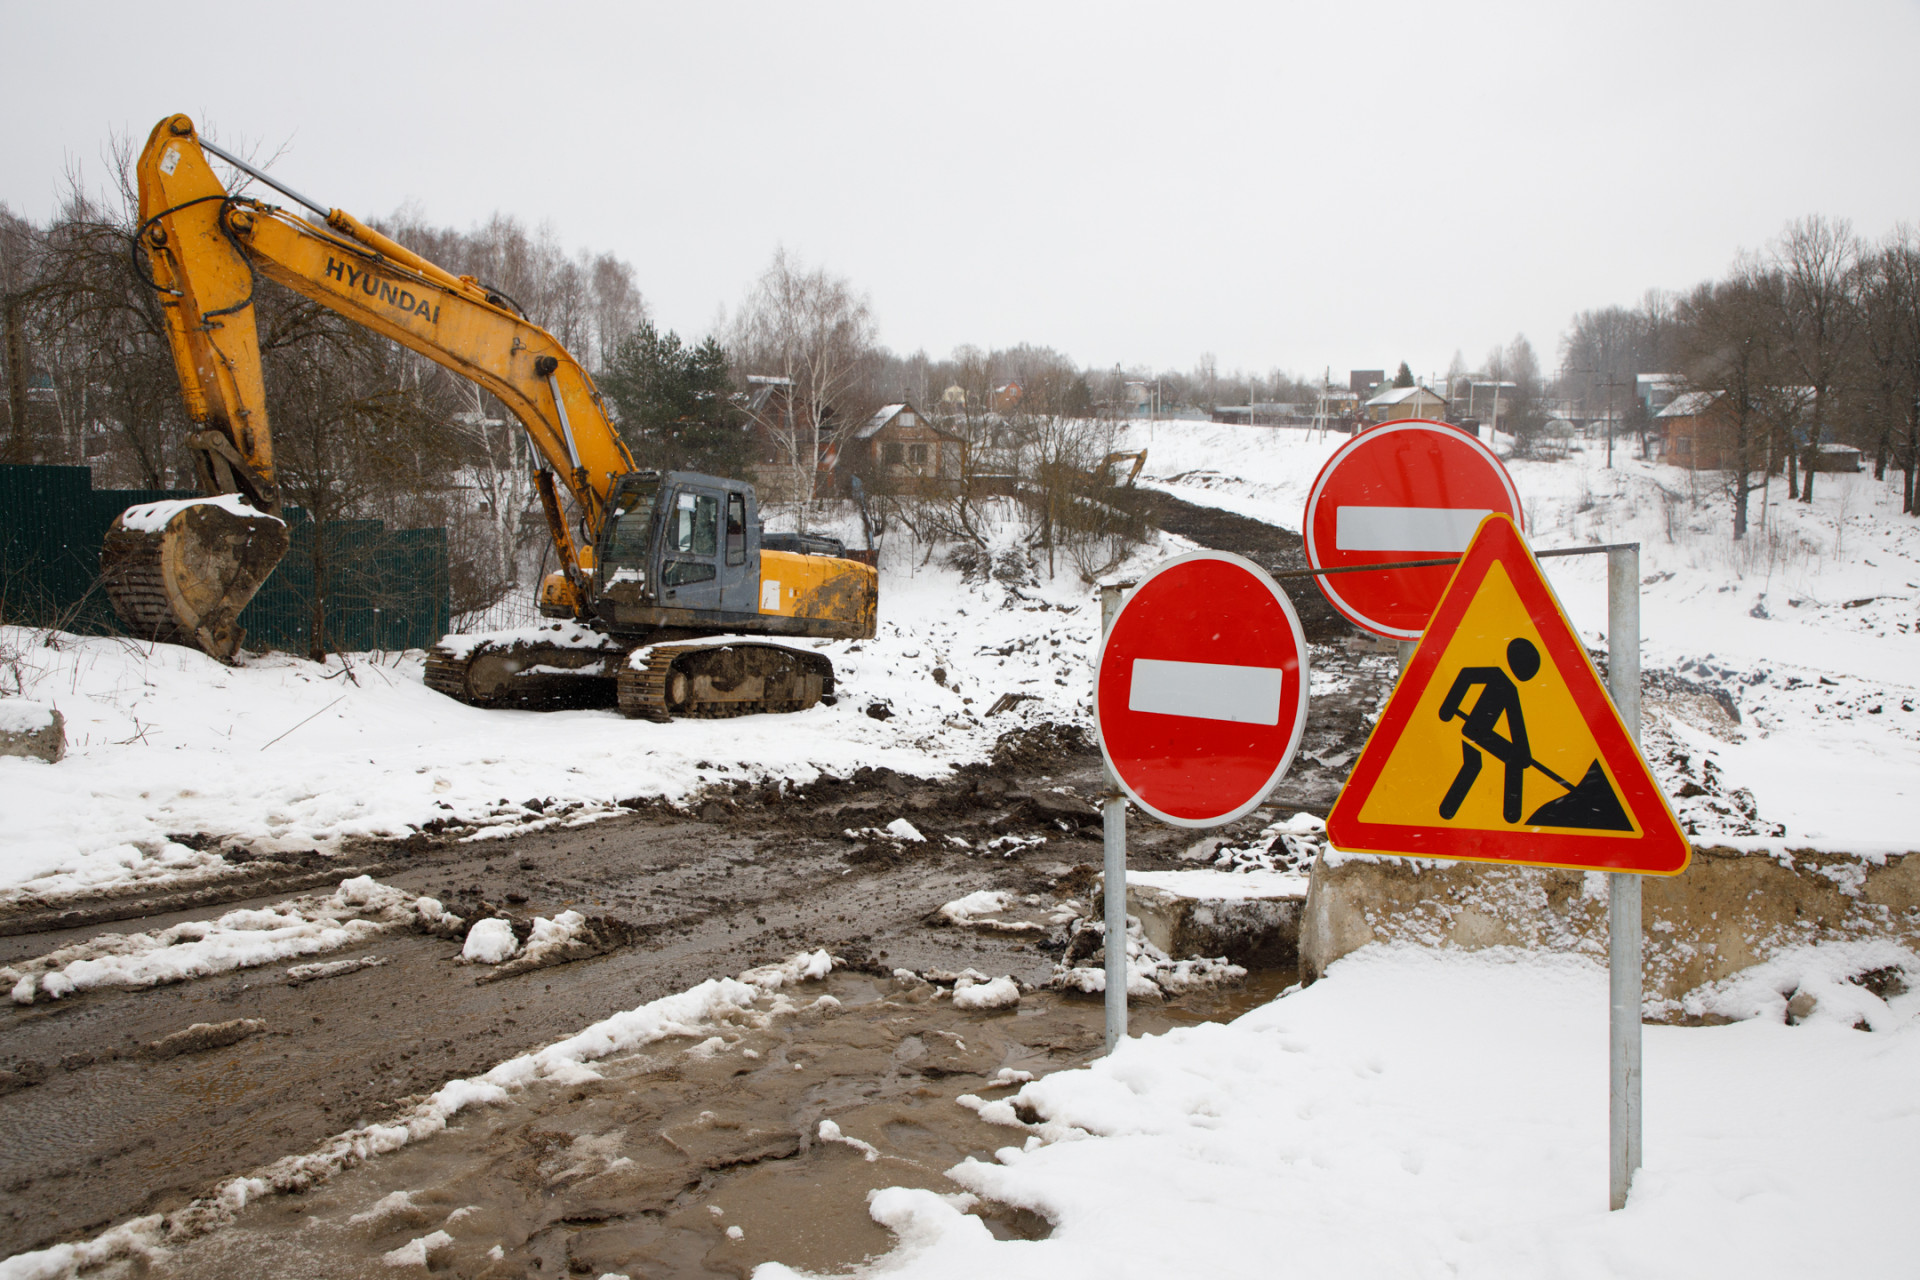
{"x":1409,"y":490}
{"x":1201,"y":691}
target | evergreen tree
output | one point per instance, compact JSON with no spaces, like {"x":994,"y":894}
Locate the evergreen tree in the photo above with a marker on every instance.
{"x":1404,"y":377}
{"x":674,"y":402}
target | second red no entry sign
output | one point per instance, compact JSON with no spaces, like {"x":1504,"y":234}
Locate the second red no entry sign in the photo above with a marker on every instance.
{"x":1410,"y":490}
{"x":1201,"y":690}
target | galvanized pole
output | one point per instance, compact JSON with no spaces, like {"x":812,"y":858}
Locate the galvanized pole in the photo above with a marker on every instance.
{"x":1623,"y":894}
{"x":1114,"y":826}
{"x":1403,"y":649}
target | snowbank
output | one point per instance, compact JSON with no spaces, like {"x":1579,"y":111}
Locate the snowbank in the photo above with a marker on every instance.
{"x":359,"y":910}
{"x":1443,"y":1114}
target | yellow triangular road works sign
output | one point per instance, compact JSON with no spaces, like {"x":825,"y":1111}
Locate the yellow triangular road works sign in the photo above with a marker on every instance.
{"x":1500,"y":744}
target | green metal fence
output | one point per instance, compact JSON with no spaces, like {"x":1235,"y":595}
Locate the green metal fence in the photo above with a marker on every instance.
{"x":383,"y":588}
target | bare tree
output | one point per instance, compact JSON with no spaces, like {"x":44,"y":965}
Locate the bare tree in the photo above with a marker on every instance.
{"x":1729,"y":359}
{"x":1818,"y":317}
{"x":812,"y":328}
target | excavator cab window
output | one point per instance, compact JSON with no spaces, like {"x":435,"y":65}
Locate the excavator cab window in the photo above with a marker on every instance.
{"x":736,"y":529}
{"x":696,"y":521}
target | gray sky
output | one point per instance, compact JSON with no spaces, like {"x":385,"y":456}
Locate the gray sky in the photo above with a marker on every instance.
{"x":1286,"y":185}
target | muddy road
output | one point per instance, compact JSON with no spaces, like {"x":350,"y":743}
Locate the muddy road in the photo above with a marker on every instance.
{"x":1272,"y":548}
{"x":104,"y":1121}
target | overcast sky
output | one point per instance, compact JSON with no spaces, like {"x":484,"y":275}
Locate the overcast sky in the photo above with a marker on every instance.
{"x":1295,"y":186}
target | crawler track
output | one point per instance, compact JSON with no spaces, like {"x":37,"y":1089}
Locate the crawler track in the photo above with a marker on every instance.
{"x":714,"y":681}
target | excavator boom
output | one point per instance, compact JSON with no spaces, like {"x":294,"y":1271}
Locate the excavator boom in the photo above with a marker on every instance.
{"x":205,"y":251}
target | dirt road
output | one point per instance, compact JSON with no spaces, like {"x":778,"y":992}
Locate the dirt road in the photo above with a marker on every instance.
{"x":100,"y":1128}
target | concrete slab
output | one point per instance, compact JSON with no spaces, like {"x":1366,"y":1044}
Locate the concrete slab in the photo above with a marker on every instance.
{"x":32,"y":729}
{"x":1251,"y":918}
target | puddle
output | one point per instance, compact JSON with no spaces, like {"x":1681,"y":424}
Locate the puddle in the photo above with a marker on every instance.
{"x":692,"y":1159}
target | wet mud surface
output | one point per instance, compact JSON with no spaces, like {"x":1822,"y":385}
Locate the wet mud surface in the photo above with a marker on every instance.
{"x":100,"y":1125}
{"x":690,"y":1159}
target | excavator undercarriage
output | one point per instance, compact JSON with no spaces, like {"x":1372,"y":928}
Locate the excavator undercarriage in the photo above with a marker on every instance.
{"x":708,"y":679}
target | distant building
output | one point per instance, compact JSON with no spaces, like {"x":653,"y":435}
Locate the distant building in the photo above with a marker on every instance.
{"x":1482,"y":395}
{"x":781,"y":424}
{"x":1405,"y":402}
{"x":1691,"y":426}
{"x":1363,"y":381}
{"x":1655,"y":391}
{"x":899,"y":450}
{"x":1006,"y":397}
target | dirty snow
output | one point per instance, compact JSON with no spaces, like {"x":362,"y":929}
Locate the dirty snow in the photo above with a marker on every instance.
{"x":360,"y":909}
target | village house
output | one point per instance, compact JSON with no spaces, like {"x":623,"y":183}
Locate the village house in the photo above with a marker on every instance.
{"x":899,"y":450}
{"x":1405,"y":402}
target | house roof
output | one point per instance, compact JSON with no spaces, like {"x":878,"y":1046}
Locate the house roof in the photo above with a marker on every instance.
{"x":1400,"y":395}
{"x":1687,"y":404}
{"x":887,"y":413}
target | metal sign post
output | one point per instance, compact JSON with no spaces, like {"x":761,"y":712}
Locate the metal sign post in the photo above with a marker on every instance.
{"x":1623,"y":892}
{"x":1114,"y":829}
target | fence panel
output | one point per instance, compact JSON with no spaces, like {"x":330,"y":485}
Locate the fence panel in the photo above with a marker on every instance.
{"x":385,"y":588}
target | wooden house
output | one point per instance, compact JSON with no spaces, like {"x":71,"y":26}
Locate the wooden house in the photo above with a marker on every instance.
{"x":900,"y":450}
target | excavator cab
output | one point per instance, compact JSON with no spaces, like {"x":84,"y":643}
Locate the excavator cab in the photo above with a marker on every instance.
{"x":683,"y":543}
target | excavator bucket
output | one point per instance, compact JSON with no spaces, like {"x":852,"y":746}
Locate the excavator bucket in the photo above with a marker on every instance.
{"x":182,"y":571}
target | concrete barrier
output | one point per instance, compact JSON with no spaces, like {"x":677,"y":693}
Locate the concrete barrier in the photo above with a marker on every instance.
{"x":32,"y":729}
{"x":1732,"y":908}
{"x":1253,"y":919}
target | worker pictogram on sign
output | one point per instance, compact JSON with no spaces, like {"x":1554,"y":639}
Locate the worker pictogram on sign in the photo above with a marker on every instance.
{"x":1500,"y":743}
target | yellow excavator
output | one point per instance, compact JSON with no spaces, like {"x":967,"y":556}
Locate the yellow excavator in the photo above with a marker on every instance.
{"x":658,"y":606}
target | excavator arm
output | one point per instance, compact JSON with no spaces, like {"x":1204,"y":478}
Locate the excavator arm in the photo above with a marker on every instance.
{"x":205,"y":252}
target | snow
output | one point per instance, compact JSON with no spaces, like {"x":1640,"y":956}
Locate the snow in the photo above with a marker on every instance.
{"x":152,"y":517}
{"x":23,"y":715}
{"x":414,"y":1253}
{"x":981,"y":902}
{"x":1001,"y":993}
{"x":560,"y":633}
{"x":359,"y":910}
{"x":489,"y":942}
{"x":830,"y":1132}
{"x":1425,"y":1113}
{"x":1224,"y":886}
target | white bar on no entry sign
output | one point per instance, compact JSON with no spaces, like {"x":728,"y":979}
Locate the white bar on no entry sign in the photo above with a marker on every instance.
{"x":1406,"y":528}
{"x":1206,"y":691}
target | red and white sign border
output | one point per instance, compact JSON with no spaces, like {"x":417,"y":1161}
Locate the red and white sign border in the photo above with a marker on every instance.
{"x":1329,"y":584}
{"x":1294,"y":737}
